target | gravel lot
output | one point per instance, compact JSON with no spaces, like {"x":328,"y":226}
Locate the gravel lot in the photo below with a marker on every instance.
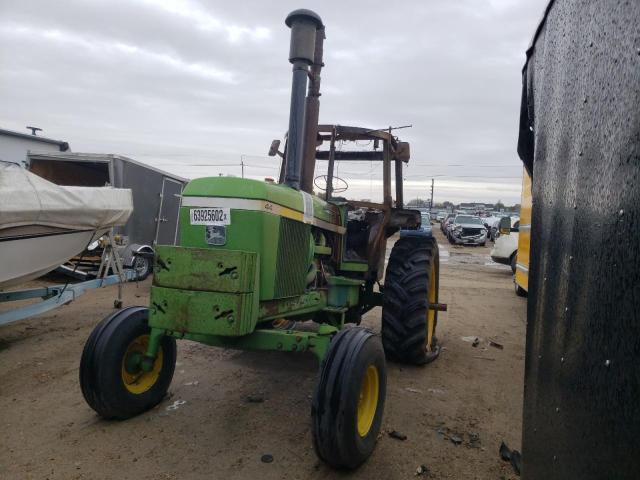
{"x":471,"y":394}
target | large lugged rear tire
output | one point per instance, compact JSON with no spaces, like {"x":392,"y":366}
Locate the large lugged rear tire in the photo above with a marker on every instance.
{"x":411,"y":284}
{"x":111,"y":382}
{"x":348,"y":401}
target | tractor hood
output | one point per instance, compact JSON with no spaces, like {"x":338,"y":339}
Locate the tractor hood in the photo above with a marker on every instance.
{"x":239,"y":193}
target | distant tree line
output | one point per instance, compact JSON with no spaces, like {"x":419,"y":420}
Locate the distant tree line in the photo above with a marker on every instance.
{"x":446,"y":205}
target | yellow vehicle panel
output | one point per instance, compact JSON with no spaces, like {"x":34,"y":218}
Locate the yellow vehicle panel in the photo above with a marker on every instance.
{"x":524,"y":237}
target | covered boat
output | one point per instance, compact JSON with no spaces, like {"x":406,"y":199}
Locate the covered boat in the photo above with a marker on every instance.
{"x":42,"y":225}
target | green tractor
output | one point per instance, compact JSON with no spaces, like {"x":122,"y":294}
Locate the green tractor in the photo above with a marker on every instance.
{"x":272,"y":266}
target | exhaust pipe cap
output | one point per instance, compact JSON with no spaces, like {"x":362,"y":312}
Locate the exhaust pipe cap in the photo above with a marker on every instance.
{"x":303,"y":14}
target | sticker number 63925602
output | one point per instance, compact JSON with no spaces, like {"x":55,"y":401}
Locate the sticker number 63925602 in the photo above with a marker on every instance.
{"x":210,"y":216}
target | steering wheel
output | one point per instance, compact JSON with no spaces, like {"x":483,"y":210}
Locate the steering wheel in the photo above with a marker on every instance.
{"x":342,"y":184}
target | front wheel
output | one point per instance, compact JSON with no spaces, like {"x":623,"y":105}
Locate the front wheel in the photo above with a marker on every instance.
{"x":112,"y":380}
{"x":349,"y":399}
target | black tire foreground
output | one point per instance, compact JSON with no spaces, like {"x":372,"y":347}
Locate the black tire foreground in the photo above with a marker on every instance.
{"x":405,"y":306}
{"x":334,"y":410}
{"x":101,"y":366}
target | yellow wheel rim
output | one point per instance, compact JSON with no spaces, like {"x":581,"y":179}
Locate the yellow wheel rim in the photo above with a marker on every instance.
{"x":368,"y":401}
{"x":139,"y":381}
{"x":432,"y":297}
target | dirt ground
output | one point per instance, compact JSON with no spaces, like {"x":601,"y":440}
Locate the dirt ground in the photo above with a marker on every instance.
{"x":48,"y":431}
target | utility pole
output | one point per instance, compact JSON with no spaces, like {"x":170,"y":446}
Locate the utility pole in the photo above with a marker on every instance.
{"x":242,"y":164}
{"x":431,"y":202}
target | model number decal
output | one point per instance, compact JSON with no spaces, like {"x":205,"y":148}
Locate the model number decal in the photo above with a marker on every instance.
{"x":210,"y":216}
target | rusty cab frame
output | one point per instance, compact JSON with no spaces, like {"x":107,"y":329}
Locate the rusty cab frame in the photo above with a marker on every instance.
{"x":369,"y":224}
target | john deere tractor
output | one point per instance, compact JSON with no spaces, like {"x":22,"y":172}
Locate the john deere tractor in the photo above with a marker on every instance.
{"x":262,"y":265}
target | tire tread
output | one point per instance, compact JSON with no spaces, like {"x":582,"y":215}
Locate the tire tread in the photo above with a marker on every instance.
{"x":405,"y":303}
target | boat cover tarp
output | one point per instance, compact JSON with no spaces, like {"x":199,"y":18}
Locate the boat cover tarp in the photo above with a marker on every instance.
{"x":27,"y":199}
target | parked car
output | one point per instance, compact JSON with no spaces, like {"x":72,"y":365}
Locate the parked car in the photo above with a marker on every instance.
{"x":425,"y":223}
{"x":492,"y":224}
{"x":505,"y":249}
{"x":440,"y":216}
{"x":493,"y":230}
{"x":467,"y":230}
{"x":444,"y":223}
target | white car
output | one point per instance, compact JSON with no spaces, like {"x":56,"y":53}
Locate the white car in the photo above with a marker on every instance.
{"x":505,"y":249}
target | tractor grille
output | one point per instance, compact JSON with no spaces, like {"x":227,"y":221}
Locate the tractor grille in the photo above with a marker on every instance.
{"x":469,"y":232}
{"x":292,"y":260}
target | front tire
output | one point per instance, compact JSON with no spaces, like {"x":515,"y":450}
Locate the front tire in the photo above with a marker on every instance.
{"x":348,"y":401}
{"x":111,"y":383}
{"x":411,"y":284}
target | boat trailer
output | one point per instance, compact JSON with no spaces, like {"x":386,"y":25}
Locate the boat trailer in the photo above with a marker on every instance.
{"x":58,"y":295}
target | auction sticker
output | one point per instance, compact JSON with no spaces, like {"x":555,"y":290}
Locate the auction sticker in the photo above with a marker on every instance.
{"x":211,"y":216}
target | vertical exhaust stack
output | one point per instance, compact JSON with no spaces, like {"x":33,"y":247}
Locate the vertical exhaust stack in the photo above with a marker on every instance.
{"x":311,"y":116}
{"x":304,"y":25}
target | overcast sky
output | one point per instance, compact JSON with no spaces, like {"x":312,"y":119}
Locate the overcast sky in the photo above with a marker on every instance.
{"x":182,"y":83}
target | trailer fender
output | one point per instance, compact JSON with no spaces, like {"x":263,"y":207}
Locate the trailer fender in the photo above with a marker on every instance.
{"x":130,"y":251}
{"x":139,"y":258}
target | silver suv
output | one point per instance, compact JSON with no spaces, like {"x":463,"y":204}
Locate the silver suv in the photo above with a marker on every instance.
{"x":467,"y":230}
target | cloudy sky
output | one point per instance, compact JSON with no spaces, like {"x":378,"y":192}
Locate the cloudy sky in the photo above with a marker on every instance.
{"x":194,"y":86}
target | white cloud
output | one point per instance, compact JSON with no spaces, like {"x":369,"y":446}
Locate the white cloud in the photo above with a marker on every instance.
{"x":199,"y":17}
{"x":121,"y":51}
{"x":178,"y":82}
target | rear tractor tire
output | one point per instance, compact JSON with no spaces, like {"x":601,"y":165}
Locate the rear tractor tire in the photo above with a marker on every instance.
{"x":348,"y":401}
{"x":112,"y":382}
{"x":411,"y":284}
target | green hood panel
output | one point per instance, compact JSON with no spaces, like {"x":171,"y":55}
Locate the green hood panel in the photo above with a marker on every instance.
{"x":233,"y":187}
